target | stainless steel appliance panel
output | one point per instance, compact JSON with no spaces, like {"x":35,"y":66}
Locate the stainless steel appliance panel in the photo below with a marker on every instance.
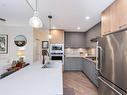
{"x":113,"y":56}
{"x":107,"y":88}
{"x":57,"y":57}
{"x":57,"y":48}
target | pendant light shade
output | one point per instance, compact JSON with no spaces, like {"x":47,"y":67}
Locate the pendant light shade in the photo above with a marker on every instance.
{"x":50,"y":36}
{"x":35,"y":21}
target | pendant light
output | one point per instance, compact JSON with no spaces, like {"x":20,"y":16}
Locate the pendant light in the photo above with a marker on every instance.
{"x":35,"y":21}
{"x":50,"y":33}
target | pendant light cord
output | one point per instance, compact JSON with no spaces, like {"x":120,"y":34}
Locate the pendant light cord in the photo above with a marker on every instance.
{"x":36,"y":5}
{"x":50,"y":18}
{"x":31,"y":6}
{"x":34,"y":22}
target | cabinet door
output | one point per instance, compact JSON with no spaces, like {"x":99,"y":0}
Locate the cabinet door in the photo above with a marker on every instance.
{"x":94,"y":74}
{"x":118,"y":15}
{"x":67,"y":40}
{"x":90,"y":71}
{"x":122,"y":9}
{"x":84,"y":66}
{"x":87,"y":69}
{"x":67,"y":63}
{"x":75,"y":64}
{"x":114,"y":17}
{"x":79,"y":64}
{"x":78,"y":40}
{"x":57,"y":37}
{"x":106,"y":22}
{"x":72,"y":64}
{"x":74,"y":40}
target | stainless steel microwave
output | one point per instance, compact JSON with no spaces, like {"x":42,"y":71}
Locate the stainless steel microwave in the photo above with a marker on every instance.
{"x":57,"y":48}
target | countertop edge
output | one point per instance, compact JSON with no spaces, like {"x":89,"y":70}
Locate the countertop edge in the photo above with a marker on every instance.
{"x":82,"y":57}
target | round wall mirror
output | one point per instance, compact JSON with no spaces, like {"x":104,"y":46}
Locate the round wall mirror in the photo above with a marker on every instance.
{"x":20,"y":40}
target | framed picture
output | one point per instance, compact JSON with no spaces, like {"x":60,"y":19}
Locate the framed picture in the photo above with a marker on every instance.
{"x":45,"y":44}
{"x":3,"y":44}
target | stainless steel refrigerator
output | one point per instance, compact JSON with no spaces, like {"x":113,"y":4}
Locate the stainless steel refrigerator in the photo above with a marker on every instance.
{"x":112,"y":64}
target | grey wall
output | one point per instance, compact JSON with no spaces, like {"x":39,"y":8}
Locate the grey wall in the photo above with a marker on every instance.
{"x":93,"y":33}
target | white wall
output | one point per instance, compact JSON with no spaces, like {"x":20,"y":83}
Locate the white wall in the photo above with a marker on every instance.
{"x":12,"y":32}
{"x":39,"y":36}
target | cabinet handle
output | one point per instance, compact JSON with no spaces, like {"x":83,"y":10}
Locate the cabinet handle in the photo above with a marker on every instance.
{"x":123,"y":26}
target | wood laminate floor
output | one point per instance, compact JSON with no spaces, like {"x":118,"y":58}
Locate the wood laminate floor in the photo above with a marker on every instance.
{"x":80,"y":83}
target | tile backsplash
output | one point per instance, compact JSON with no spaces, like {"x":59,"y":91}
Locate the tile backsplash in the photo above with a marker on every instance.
{"x":91,"y":51}
{"x":69,"y":52}
{"x":80,"y":52}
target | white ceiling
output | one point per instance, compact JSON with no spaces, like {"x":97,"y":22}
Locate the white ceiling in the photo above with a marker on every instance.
{"x":67,"y":14}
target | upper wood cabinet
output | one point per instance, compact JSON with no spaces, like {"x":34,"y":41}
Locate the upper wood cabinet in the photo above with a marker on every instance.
{"x":114,"y":17}
{"x":57,"y":37}
{"x":122,"y":11}
{"x":105,"y":21}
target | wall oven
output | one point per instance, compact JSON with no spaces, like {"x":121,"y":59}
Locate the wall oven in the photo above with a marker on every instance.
{"x":57,"y":52}
{"x":56,"y":48}
{"x":59,"y":57}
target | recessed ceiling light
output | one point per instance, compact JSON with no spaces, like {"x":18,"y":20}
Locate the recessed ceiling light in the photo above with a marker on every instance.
{"x":87,"y":17}
{"x":78,"y":28}
{"x":54,"y":27}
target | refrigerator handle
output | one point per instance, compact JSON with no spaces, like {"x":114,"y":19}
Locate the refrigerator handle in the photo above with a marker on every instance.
{"x":109,"y":85}
{"x":101,"y":55}
{"x":97,"y":62}
{"x":97,"y":67}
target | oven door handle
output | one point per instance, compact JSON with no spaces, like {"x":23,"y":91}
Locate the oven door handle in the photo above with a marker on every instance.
{"x":109,"y":85}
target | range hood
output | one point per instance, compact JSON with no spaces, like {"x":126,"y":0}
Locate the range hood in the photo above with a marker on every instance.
{"x":94,"y":40}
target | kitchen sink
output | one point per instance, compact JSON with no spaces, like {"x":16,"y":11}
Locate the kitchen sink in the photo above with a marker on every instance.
{"x":52,"y":65}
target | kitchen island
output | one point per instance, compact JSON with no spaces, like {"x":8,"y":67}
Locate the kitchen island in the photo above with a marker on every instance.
{"x":34,"y":80}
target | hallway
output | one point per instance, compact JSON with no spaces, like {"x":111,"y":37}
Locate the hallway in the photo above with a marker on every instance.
{"x":79,"y":83}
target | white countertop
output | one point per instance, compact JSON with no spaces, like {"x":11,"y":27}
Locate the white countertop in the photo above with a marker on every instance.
{"x":34,"y":80}
{"x":89,"y":60}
